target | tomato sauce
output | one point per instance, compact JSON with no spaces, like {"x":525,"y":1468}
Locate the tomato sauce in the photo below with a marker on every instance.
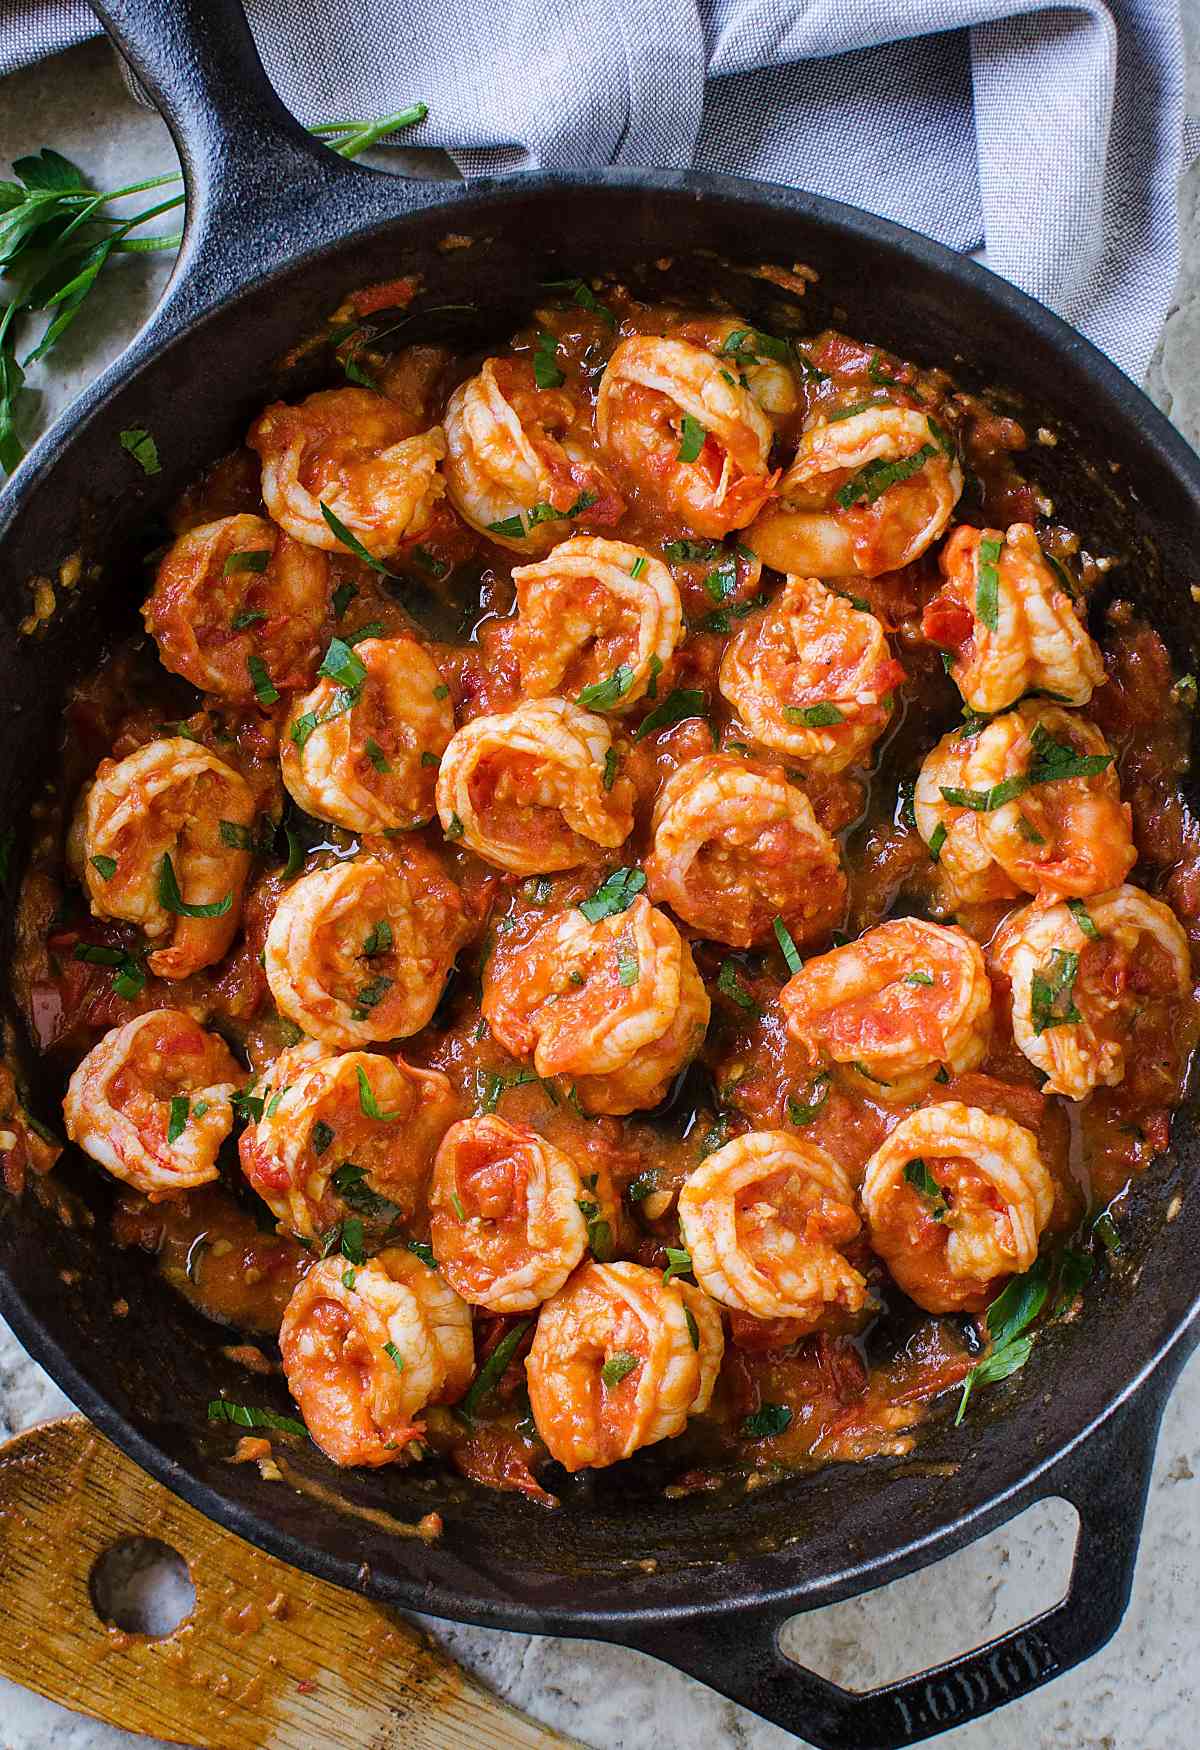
{"x":852,"y":1393}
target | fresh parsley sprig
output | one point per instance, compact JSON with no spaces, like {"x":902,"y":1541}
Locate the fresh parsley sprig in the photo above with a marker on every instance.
{"x":58,"y":234}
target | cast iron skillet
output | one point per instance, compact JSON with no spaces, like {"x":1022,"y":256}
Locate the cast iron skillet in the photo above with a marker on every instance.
{"x":278,"y":230}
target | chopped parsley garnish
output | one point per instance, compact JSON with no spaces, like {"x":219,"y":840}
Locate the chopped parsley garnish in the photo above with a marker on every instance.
{"x":679,"y":1263}
{"x":394,"y":1356}
{"x":320,"y":1137}
{"x":751,"y":344}
{"x":1077,"y":909}
{"x":342,"y":665}
{"x":265,"y":691}
{"x":691,"y":439}
{"x":987,"y":587}
{"x":767,"y":1420}
{"x":638,"y":568}
{"x":177,"y":1120}
{"x":1051,"y":993}
{"x":248,"y":1416}
{"x":493,"y":1370}
{"x":510,"y":527}
{"x":722,"y":581}
{"x":822,"y":716}
{"x":105,"y":867}
{"x":802,"y":1112}
{"x":247,"y":1105}
{"x":584,"y":296}
{"x":879,"y":477}
{"x":677,"y":551}
{"x":343,"y":700}
{"x":369,"y":997}
{"x":349,"y":1181}
{"x":342,"y":596}
{"x":423,"y":1250}
{"x":618,"y":1367}
{"x":918,"y":978}
{"x":1052,"y":762}
{"x":680,"y":702}
{"x":379,"y":941}
{"x":787,"y":947}
{"x":295,"y":854}
{"x":616,"y":894}
{"x":379,"y":759}
{"x":456,"y":828}
{"x":603,"y":695}
{"x":170,"y":898}
{"x":640,"y":1188}
{"x":341,"y":533}
{"x":546,"y":373}
{"x":494,"y":1084}
{"x":236,"y":836}
{"x":351,"y":1240}
{"x":441,"y":691}
{"x":349,"y":1277}
{"x":367,"y":1101}
{"x":729,"y":983}
{"x":936,"y":840}
{"x":692,"y":1327}
{"x":143,"y":449}
{"x":272,"y":1105}
{"x":862,"y":1070}
{"x":611,"y":761}
{"x":628,"y":971}
{"x":251,"y":559}
{"x":917,"y":1174}
{"x":1008,"y":1319}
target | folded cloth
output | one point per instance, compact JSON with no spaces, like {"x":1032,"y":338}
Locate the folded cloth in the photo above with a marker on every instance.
{"x":1051,"y":136}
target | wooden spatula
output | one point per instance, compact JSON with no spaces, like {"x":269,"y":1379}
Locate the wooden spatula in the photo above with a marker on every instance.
{"x":269,"y":1659}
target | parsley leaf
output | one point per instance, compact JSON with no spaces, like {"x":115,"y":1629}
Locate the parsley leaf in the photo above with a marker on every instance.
{"x":616,"y":894}
{"x":787,"y":947}
{"x":170,"y":898}
{"x":618,"y":1367}
{"x":987,"y":587}
{"x":680,"y":702}
{"x":142,"y":448}
{"x":603,"y":695}
{"x":879,"y":477}
{"x":691,"y":439}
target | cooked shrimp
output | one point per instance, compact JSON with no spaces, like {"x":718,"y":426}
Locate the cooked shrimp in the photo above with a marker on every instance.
{"x":344,"y":1132}
{"x":955,"y":1198}
{"x":232,"y":591}
{"x":360,"y":952}
{"x":165,"y":815}
{"x":362,"y":748}
{"x":906,"y":999}
{"x":685,"y":430}
{"x":507,"y":1229}
{"x":742,"y":351}
{"x":512,"y":463}
{"x":614,"y":1364}
{"x":812,"y":676}
{"x":616,"y":1005}
{"x":366,"y":1347}
{"x":1012,"y":627}
{"x":599,"y":621}
{"x":968,"y":872}
{"x":356,"y":453}
{"x":765,"y":1219}
{"x":869,"y":494}
{"x":1043,"y":783}
{"x":152,"y":1102}
{"x":1078,"y":973}
{"x":526,"y":789}
{"x":736,"y":846}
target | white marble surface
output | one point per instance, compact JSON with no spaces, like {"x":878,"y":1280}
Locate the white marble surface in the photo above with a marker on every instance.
{"x":1140,"y":1692}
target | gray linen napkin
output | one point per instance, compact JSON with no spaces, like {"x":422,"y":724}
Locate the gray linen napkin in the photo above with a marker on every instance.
{"x":1053,"y":137}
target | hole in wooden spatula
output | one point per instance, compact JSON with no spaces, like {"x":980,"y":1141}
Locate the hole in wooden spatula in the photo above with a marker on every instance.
{"x":142,"y":1585}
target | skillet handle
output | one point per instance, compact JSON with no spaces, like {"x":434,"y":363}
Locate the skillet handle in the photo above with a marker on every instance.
{"x":1106,"y":1480}
{"x":256,"y":180}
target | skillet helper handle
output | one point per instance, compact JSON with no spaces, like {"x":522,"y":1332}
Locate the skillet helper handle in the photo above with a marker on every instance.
{"x":1106,"y":1481}
{"x":254,"y":176}
{"x":269,"y":1659}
